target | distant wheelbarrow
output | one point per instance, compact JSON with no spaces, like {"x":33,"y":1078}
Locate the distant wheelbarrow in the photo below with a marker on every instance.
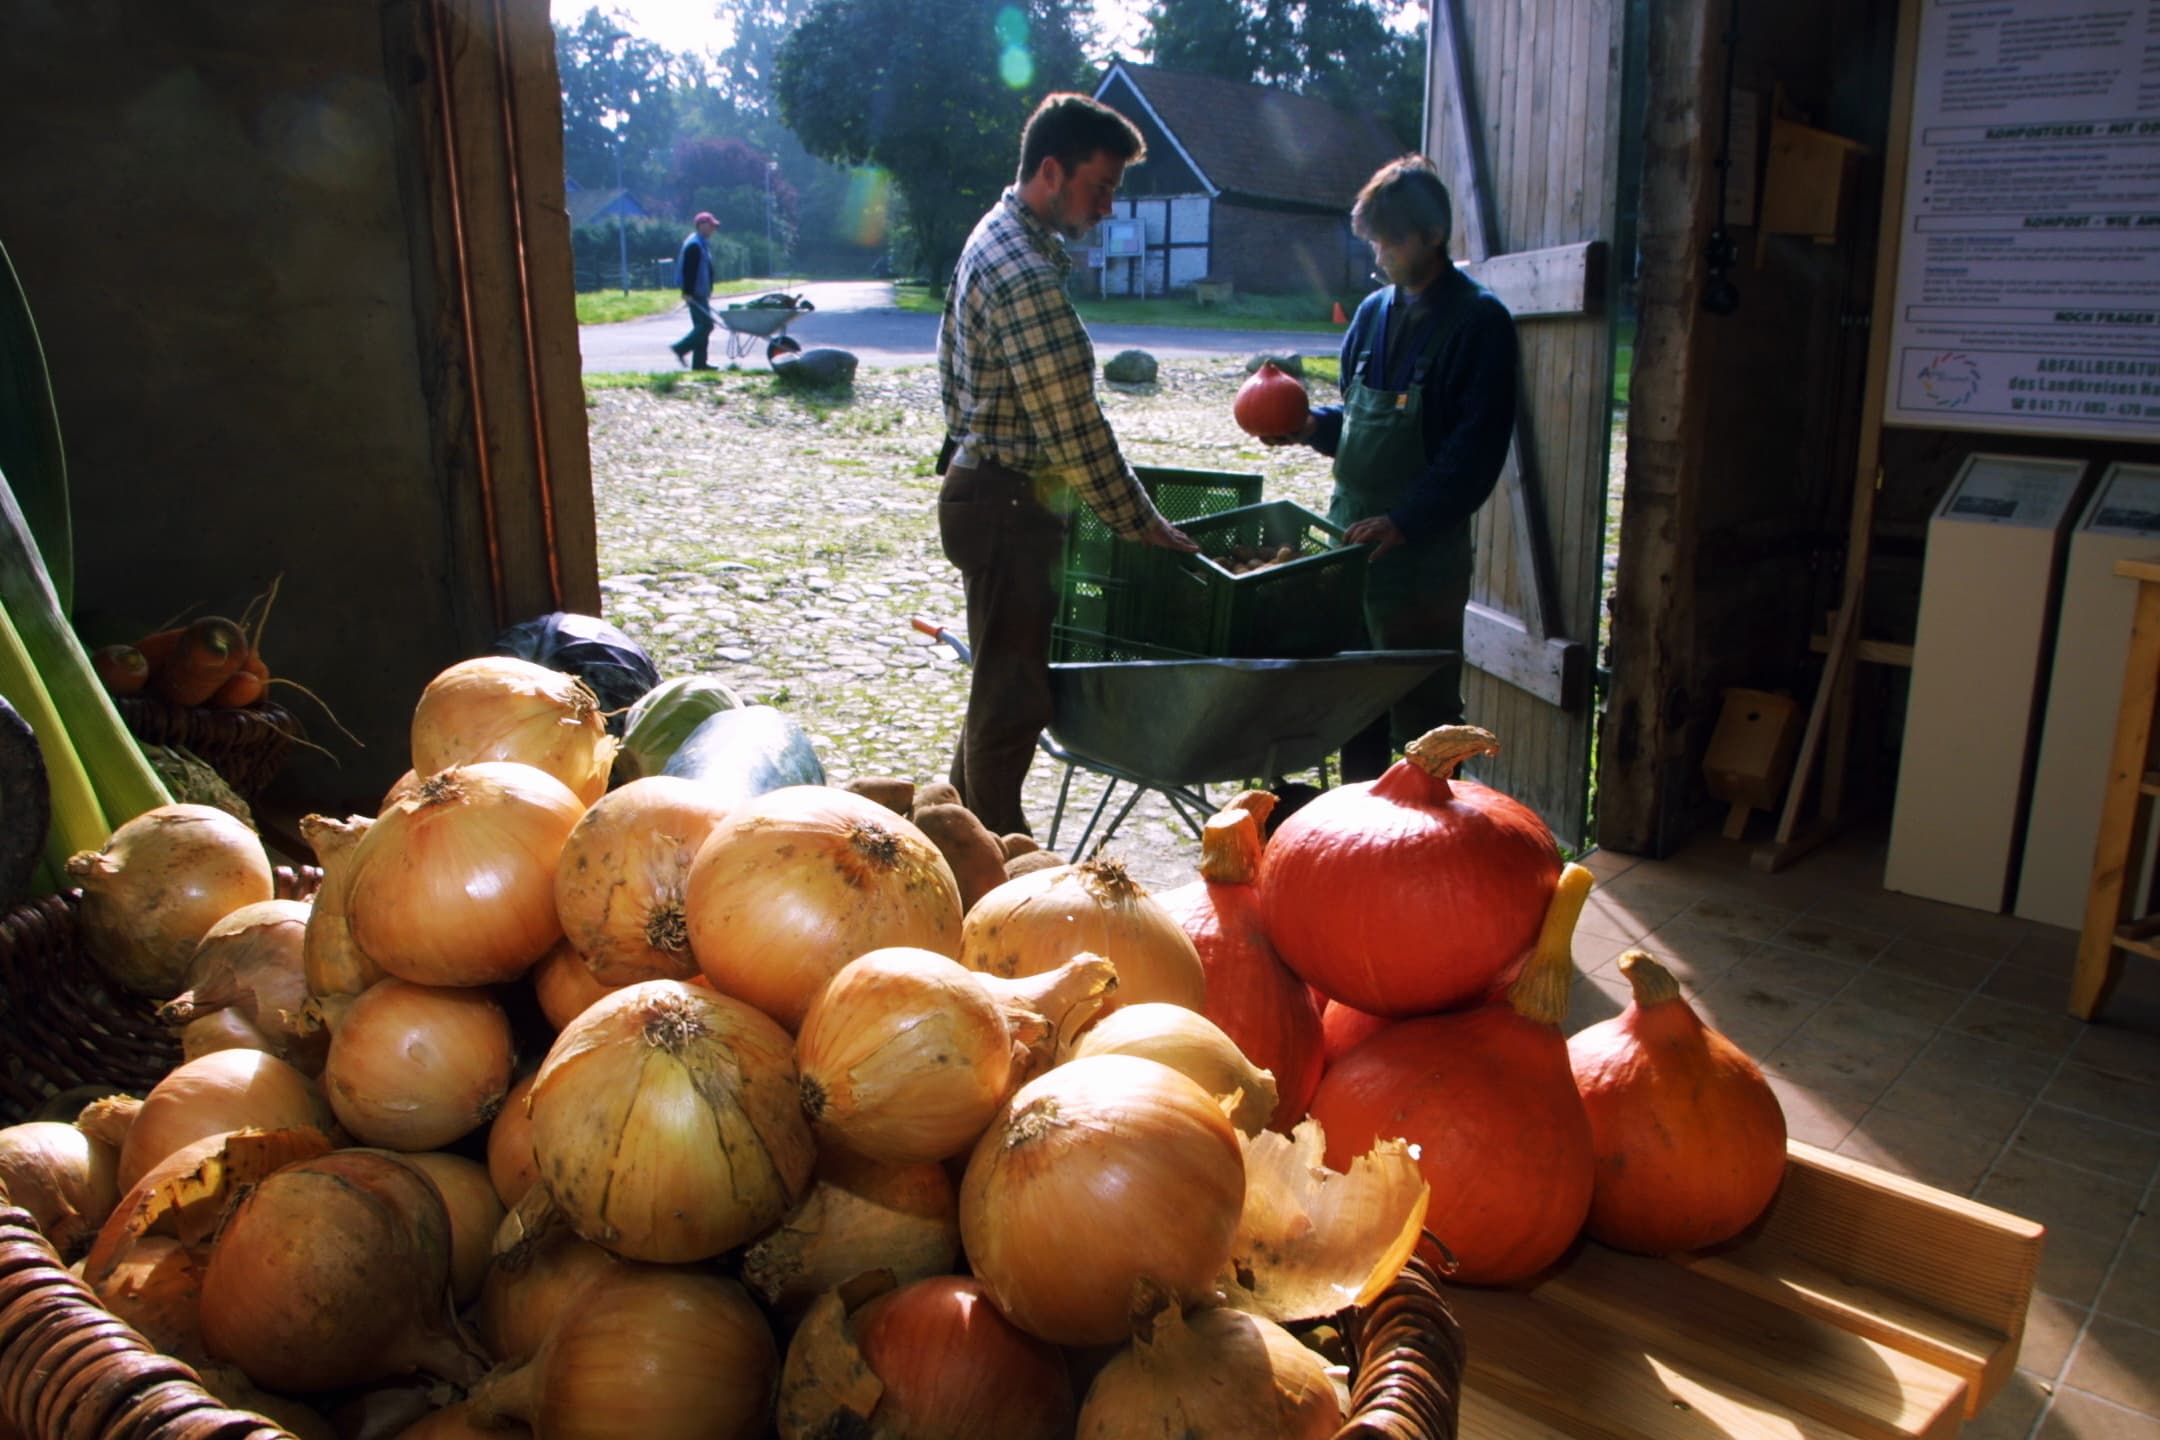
{"x":765,"y":318}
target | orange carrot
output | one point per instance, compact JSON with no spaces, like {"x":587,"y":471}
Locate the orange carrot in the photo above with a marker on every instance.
{"x":159,"y":649}
{"x":209,"y":652}
{"x":122,"y":668}
{"x":242,"y":688}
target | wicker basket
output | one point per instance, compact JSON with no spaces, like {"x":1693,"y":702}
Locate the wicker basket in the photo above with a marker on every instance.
{"x":247,"y":747}
{"x":63,"y":1025}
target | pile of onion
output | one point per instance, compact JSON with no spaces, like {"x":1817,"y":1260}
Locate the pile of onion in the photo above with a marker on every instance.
{"x":799,"y":881}
{"x":509,"y":1146}
{"x":226,"y":1090}
{"x":1213,"y":1375}
{"x":564,"y":987}
{"x":160,"y":882}
{"x":1039,"y":921}
{"x":1488,"y":1098}
{"x":667,"y":1123}
{"x":252,"y":963}
{"x":475,"y":1213}
{"x":333,"y":961}
{"x":528,"y":1288}
{"x":455,"y":885}
{"x":1689,"y":1137}
{"x":1102,"y":1179}
{"x":67,"y":1180}
{"x":416,"y":1067}
{"x":860,"y":1215}
{"x":625,"y":872}
{"x":497,"y":708}
{"x":1196,"y":1048}
{"x":1414,"y":893}
{"x":906,"y":1055}
{"x":333,"y":1272}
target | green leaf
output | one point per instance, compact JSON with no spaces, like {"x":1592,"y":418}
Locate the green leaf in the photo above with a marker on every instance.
{"x":30,"y":454}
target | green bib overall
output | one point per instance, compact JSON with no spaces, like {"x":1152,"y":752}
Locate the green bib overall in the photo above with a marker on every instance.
{"x":1414,"y":594}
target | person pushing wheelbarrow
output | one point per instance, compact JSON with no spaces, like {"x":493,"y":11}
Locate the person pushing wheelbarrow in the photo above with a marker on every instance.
{"x":694,"y":266}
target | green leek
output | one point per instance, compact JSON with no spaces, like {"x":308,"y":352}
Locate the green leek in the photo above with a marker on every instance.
{"x":77,"y":822}
{"x":30,"y":435}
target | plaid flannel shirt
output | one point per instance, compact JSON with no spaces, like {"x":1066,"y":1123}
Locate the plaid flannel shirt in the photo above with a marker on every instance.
{"x":1017,"y":371}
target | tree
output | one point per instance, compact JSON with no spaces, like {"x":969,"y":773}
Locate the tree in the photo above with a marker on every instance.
{"x":729,"y":178}
{"x":619,"y":102}
{"x":932,"y":91}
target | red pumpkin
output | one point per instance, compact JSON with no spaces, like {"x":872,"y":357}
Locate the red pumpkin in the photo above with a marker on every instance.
{"x":1689,"y":1137}
{"x":1343,"y":1029}
{"x":1272,"y":402}
{"x":1251,"y":995}
{"x":1487,"y":1097}
{"x":1412,"y":893}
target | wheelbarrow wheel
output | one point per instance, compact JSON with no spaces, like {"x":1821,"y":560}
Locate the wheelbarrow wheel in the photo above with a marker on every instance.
{"x":782,"y":345}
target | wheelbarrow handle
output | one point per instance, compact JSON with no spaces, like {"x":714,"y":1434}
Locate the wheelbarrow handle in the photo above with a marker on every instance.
{"x":939,"y":633}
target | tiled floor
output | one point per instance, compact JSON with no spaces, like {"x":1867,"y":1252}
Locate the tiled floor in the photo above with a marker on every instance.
{"x":1933,"y":1041}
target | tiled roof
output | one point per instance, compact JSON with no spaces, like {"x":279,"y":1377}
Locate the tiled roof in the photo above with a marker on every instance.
{"x":586,"y":206}
{"x":1262,"y":143}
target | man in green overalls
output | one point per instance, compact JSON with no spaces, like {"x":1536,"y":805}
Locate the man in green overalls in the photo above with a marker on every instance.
{"x":1428,"y":383}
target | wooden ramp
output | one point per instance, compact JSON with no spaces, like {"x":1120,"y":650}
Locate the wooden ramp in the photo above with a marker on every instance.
{"x":1864,"y":1304}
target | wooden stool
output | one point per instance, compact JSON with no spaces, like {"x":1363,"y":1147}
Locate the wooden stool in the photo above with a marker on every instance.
{"x":2133,"y":780}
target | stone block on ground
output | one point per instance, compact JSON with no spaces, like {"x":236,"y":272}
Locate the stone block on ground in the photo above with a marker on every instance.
{"x":822,"y":369}
{"x":1130,"y":367}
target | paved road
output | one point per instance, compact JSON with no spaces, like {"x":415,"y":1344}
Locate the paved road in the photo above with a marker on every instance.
{"x":860,"y":316}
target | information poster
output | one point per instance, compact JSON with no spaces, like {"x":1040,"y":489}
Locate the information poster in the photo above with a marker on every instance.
{"x":2028,"y":285}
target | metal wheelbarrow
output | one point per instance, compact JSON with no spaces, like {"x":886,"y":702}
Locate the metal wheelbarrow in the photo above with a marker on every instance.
{"x":765,"y":318}
{"x":1177,"y":726}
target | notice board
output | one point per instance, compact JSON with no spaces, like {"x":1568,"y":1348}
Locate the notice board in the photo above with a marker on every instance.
{"x":2028,"y":278}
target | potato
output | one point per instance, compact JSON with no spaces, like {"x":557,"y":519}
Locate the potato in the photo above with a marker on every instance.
{"x":976,"y":857}
{"x":895,"y":795}
{"x":1032,"y":861}
{"x":937,"y":792}
{"x":1018,"y":843}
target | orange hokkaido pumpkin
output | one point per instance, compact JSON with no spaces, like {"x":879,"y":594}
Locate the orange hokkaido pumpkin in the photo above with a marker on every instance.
{"x":1271,"y":403}
{"x":1343,"y":1029}
{"x":1689,"y":1137}
{"x":1267,"y":1012}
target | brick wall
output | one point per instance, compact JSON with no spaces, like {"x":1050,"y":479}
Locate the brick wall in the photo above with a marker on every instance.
{"x":1269,"y":252}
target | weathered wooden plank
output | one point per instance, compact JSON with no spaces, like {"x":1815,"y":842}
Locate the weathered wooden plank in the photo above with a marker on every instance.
{"x":1484,"y":1417}
{"x":1554,"y":670}
{"x":1557,"y":280}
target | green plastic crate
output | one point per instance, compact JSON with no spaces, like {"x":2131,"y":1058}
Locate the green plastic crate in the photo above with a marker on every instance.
{"x":1096,"y":598}
{"x":1296,"y":609}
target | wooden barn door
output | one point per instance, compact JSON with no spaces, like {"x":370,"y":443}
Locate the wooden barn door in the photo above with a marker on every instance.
{"x":1523,"y":104}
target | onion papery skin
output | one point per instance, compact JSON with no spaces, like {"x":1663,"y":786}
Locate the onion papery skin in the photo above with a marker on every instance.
{"x":800,"y":880}
{"x":331,"y":959}
{"x":1413,"y":893}
{"x":160,"y":883}
{"x":1343,"y":1029}
{"x":333,"y":1272}
{"x":1195,"y":1047}
{"x":1107,"y":1182}
{"x":564,"y":987}
{"x":510,"y":1162}
{"x":156,"y":1286}
{"x":1689,"y":1137}
{"x":252,"y":961}
{"x":1504,"y":1146}
{"x":456,"y":884}
{"x":646,"y":1354}
{"x":67,"y":1181}
{"x":860,"y":1215}
{"x":527,"y":1290}
{"x":1267,"y":1012}
{"x":1037,"y":922}
{"x":475,"y":1213}
{"x":224,"y":1090}
{"x":952,"y":1365}
{"x":906,"y":1056}
{"x":498,"y":708}
{"x":417,"y":1067}
{"x":621,"y":887}
{"x":1213,"y":1375}
{"x":667,"y":1123}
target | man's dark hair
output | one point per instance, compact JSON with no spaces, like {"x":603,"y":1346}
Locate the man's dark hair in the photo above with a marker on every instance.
{"x":1405,"y":197}
{"x":1073,"y":128}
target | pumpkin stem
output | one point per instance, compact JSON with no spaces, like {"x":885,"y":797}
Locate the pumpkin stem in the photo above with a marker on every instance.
{"x":1230,"y":845}
{"x":1653,"y":983}
{"x":1440,"y":753}
{"x":1541,"y":991}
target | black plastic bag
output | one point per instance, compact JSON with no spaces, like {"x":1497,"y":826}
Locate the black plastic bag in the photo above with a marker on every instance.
{"x":616,"y":668}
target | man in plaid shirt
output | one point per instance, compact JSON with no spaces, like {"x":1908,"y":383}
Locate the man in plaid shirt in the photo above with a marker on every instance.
{"x":1025,"y":435}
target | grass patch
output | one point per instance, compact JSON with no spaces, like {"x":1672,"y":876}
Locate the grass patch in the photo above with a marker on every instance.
{"x":1249,"y":312}
{"x":609,"y":307}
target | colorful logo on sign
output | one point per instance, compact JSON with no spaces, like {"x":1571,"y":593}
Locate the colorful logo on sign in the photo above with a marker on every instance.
{"x":1950,"y":379}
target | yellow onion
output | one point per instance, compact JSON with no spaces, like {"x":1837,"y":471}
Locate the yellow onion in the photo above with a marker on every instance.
{"x":250,"y":962}
{"x":415,"y":1067}
{"x":156,"y":1286}
{"x":233,"y":1388}
{"x":475,"y":1212}
{"x":1103,"y":1183}
{"x":1037,"y":922}
{"x":625,"y":871}
{"x":225,"y":1090}
{"x":528,"y":1288}
{"x":64,"y":1178}
{"x":645,"y":1354}
{"x":906,"y":1055}
{"x":456,"y":885}
{"x":333,"y":1272}
{"x":221,"y":1030}
{"x":564,"y":986}
{"x":510,"y":1162}
{"x":799,"y":881}
{"x":403,"y":788}
{"x":859,"y":1215}
{"x":1192,"y":1045}
{"x":497,"y":708}
{"x":159,"y":883}
{"x":667,"y":1123}
{"x":333,"y":962}
{"x":1213,"y":1375}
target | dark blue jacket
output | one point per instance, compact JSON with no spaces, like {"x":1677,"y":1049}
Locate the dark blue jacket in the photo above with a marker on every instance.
{"x":1468,"y":408}
{"x":694,"y":267}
